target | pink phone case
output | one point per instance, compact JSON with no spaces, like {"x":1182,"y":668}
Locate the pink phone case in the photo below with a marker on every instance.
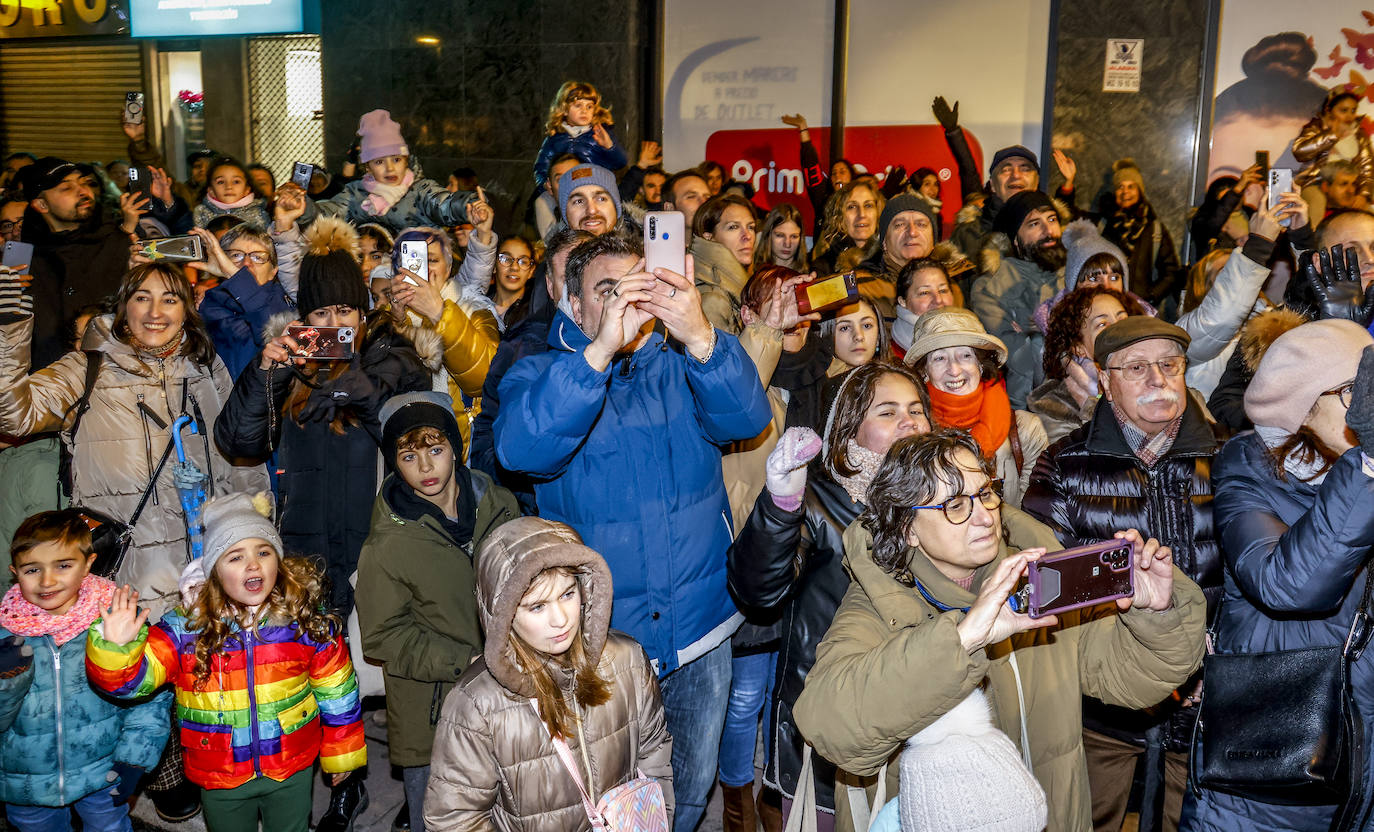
{"x":1080,"y":577}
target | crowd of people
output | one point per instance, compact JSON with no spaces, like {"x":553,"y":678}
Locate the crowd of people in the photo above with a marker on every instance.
{"x":606,"y":535}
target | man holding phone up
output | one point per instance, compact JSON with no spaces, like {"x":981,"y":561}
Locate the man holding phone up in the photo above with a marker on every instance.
{"x":621,"y":428}
{"x":1144,"y":461}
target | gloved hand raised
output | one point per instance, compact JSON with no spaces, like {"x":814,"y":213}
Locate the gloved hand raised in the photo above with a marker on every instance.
{"x":352,"y":387}
{"x":1360,"y":417}
{"x":948,"y":118}
{"x":1337,"y":286}
{"x":785,"y":470}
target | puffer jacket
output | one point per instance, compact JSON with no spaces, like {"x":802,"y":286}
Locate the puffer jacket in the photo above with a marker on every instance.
{"x":275,"y":701}
{"x":1005,"y":299}
{"x":630,"y":456}
{"x":1313,"y":147}
{"x":898,"y":659}
{"x":122,"y":437}
{"x":793,"y":560}
{"x":30,"y":472}
{"x":720,"y":279}
{"x":1297,"y":557}
{"x":254,"y":213}
{"x":237,"y":311}
{"x":328,"y":480}
{"x":494,"y":765}
{"x":419,"y":613}
{"x":426,"y":203}
{"x":1090,"y":485}
{"x":59,"y":738}
{"x":584,"y":147}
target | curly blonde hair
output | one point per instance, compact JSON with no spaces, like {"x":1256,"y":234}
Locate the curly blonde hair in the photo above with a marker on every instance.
{"x":568,"y":93}
{"x":833,"y":231}
{"x":297,"y":598}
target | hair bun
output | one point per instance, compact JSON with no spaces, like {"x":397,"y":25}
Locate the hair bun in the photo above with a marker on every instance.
{"x":1285,"y":55}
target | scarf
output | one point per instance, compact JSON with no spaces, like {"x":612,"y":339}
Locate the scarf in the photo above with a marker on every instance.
{"x":985,"y":413}
{"x":24,"y":619}
{"x":382,"y":197}
{"x":231,"y":206}
{"x":1127,"y":226}
{"x":575,"y":130}
{"x":1148,"y":449}
{"x":1312,"y":471}
{"x":867,"y":462}
{"x":411,"y":506}
{"x":159,"y":353}
{"x":904,"y":328}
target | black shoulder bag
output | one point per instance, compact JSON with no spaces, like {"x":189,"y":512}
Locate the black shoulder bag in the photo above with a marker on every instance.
{"x":1280,"y":727}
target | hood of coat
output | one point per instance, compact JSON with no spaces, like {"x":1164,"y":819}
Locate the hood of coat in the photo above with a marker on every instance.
{"x":428,"y":345}
{"x":715,"y":265}
{"x":508,"y":560}
{"x":998,"y":246}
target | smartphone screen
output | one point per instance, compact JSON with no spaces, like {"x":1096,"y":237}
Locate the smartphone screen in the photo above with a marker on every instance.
{"x":827,"y":293}
{"x":18,"y":254}
{"x":665,"y":241}
{"x":323,"y":343}
{"x":301,"y":173}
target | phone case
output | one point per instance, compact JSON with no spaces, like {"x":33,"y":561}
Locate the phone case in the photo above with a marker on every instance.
{"x":665,"y":241}
{"x":323,"y":343}
{"x":301,"y":173}
{"x":827,"y":293}
{"x":415,"y":257}
{"x":184,"y":249}
{"x":133,"y":108}
{"x":1080,"y":577}
{"x":18,"y":254}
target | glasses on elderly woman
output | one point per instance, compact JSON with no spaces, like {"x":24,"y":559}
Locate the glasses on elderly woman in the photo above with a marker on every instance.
{"x":1171,"y":367}
{"x":257,"y":257}
{"x":1345,"y":392}
{"x":959,"y":508}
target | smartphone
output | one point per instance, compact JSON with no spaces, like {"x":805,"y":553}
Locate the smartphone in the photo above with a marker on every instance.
{"x":18,"y":254}
{"x":323,"y":343}
{"x":415,"y":257}
{"x":185,"y":249}
{"x":827,"y":293}
{"x":1262,"y":159}
{"x":133,"y":108}
{"x":140,"y":180}
{"x":301,"y":173}
{"x":665,"y":242}
{"x":1080,"y":577}
{"x":1280,"y":182}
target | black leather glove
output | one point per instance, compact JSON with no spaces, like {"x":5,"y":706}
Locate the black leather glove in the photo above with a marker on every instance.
{"x":128,"y":777}
{"x":1360,"y":417}
{"x":15,"y":657}
{"x":949,"y":119}
{"x":1337,"y":287}
{"x":15,"y":301}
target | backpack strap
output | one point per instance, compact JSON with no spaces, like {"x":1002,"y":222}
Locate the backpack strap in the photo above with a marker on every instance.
{"x":94,"y":358}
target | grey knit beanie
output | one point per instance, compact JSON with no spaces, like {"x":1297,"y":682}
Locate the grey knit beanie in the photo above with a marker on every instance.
{"x":232,"y":518}
{"x":962,"y":773}
{"x":1082,"y":241}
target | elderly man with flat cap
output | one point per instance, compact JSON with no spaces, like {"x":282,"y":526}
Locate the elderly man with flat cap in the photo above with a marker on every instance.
{"x":1144,"y":461}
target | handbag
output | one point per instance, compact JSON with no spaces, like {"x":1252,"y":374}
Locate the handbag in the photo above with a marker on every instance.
{"x":634,"y":806}
{"x":1280,"y":727}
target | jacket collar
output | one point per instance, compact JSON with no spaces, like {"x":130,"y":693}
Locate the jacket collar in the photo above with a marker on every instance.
{"x":566,"y":336}
{"x":900,"y":605}
{"x":1195,"y":435}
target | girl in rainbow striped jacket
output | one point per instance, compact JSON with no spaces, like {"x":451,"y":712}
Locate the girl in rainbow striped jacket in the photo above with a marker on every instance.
{"x":264,"y":685}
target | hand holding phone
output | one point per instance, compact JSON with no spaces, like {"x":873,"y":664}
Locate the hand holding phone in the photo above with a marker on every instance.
{"x":827,"y":293}
{"x":301,"y":173}
{"x":323,"y":343}
{"x":18,"y":256}
{"x":133,"y":108}
{"x":1280,"y":182}
{"x":991,"y":619}
{"x":415,"y":259}
{"x":665,"y":241}
{"x":1073,"y":578}
{"x":187,"y":248}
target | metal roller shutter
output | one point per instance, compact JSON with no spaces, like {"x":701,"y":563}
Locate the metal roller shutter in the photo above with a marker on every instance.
{"x":66,"y":100}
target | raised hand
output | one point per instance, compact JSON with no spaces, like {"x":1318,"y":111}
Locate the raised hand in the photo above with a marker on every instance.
{"x":1337,"y":286}
{"x":162,"y":185}
{"x":991,"y":619}
{"x":481,"y":216}
{"x":676,"y":302}
{"x":947,"y":116}
{"x":798,"y":121}
{"x":417,"y":293}
{"x":290,"y":206}
{"x":622,"y":319}
{"x":216,"y":261}
{"x":785,"y":468}
{"x":122,"y":622}
{"x":132,"y":206}
{"x":1252,"y":175}
{"x":602,"y":138}
{"x":650,"y":154}
{"x":135,"y":132}
{"x":1154,"y":573}
{"x":1360,"y":417}
{"x":281,"y":350}
{"x":1068,"y":168}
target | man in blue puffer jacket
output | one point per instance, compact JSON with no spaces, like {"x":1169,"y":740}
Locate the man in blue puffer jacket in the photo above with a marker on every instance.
{"x":621,"y":428}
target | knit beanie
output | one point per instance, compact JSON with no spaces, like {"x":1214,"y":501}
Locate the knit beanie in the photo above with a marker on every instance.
{"x":1299,"y":366}
{"x":898,"y":204}
{"x":232,"y":518}
{"x":1082,"y":241}
{"x":381,"y":137}
{"x":1016,"y":209}
{"x":423,"y":409}
{"x":1125,"y":170}
{"x":574,"y":178}
{"x":329,"y":271}
{"x":962,"y":773}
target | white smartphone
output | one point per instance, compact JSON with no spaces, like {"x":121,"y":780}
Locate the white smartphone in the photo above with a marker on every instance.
{"x":415,"y":257}
{"x":1280,"y":183}
{"x":665,"y":242}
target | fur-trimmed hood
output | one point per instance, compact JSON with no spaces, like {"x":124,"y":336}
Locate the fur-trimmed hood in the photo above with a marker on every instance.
{"x":427,"y":343}
{"x":1263,"y":330}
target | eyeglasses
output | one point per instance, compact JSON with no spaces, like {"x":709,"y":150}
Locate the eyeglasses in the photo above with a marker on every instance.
{"x":959,"y":508}
{"x":1346,"y":393}
{"x":1101,"y":275}
{"x":10,"y":225}
{"x":257,"y":257}
{"x":1171,"y":367}
{"x":522,"y":261}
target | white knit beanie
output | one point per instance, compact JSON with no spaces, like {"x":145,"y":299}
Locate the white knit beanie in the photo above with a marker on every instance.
{"x":962,"y":773}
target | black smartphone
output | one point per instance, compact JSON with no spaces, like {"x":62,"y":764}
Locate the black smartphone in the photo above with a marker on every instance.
{"x":1262,"y":159}
{"x":301,"y":173}
{"x":140,"y":180}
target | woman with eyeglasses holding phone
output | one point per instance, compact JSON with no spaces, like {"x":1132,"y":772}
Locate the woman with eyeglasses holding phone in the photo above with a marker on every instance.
{"x":515,"y":262}
{"x":237,"y":310}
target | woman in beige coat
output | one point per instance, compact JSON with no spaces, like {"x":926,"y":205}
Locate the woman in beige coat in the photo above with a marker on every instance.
{"x":550,"y":667}
{"x":157,"y":363}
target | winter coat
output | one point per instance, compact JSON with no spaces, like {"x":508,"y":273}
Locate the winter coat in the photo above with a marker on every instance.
{"x":59,"y":739}
{"x":629,"y":456}
{"x":720,"y":279}
{"x":1295,"y":553}
{"x":328,"y":481}
{"x":973,"y":225}
{"x":1060,"y":414}
{"x":1313,"y":148}
{"x":418,"y":615}
{"x":1154,"y":270}
{"x":744,"y":461}
{"x":71,"y":269}
{"x":236,"y":313}
{"x":275,"y":701}
{"x":1005,"y":299}
{"x":1090,"y":485}
{"x":811,"y":376}
{"x":793,"y":560}
{"x":494,"y":765}
{"x":427,"y":203}
{"x":584,"y":147}
{"x":899,"y":658}
{"x":121,"y":438}
{"x":254,"y":213}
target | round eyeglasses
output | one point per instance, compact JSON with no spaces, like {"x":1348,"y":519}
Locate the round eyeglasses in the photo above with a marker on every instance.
{"x":959,"y":508}
{"x":521,"y":261}
{"x":1345,"y":392}
{"x":257,"y":257}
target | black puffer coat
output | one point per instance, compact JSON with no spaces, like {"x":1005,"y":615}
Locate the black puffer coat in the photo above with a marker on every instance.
{"x":328,"y":481}
{"x":1089,"y":485}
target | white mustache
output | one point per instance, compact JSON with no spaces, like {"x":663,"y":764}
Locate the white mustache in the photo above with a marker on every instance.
{"x":1163,"y":396}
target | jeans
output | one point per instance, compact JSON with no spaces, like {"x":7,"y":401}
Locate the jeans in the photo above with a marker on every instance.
{"x":751,"y":686}
{"x":694,"y":700}
{"x":97,"y":810}
{"x":416,"y":778}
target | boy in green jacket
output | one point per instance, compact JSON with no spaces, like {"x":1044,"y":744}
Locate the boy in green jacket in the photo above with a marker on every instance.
{"x":417,"y":606}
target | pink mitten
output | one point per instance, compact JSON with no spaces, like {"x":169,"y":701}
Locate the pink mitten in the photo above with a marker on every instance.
{"x":785,"y":470}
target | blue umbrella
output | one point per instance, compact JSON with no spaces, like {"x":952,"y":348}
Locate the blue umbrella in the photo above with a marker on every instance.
{"x":190,"y":484}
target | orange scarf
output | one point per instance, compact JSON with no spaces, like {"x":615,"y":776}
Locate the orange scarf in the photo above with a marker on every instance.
{"x":985,"y":413}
